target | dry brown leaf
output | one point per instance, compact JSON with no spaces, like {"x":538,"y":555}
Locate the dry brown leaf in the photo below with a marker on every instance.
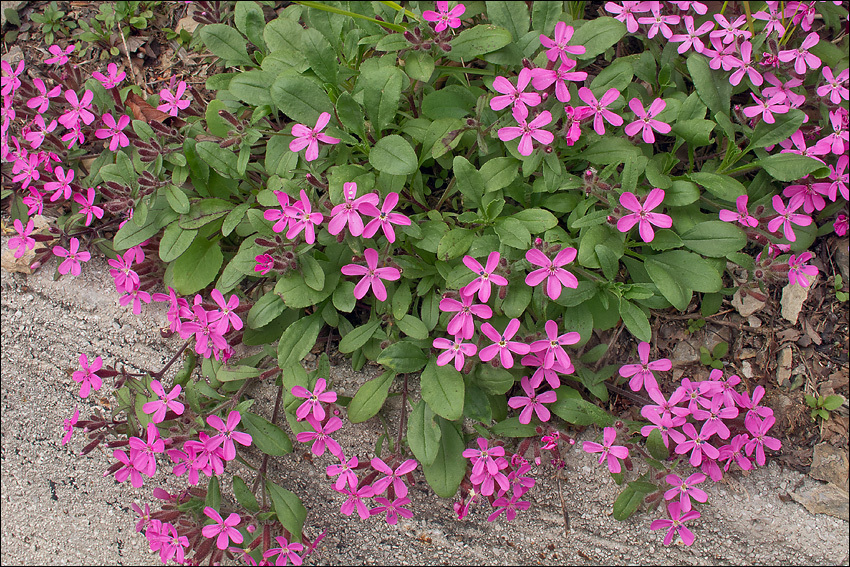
{"x":144,"y":111}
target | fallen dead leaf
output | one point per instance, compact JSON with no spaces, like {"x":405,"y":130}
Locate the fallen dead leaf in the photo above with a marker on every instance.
{"x":144,"y":111}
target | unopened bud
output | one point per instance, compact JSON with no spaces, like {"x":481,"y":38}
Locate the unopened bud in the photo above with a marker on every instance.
{"x":503,"y":292}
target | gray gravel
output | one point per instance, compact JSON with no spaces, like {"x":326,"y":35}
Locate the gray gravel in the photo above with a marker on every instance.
{"x":57,"y":508}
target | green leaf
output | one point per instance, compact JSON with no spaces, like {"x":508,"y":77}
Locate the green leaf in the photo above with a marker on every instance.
{"x":223,"y":161}
{"x":393,"y":155}
{"x":401,"y":300}
{"x":618,"y":75}
{"x":204,"y":212}
{"x":714,"y":239}
{"x":478,"y":40}
{"x":513,"y":233}
{"x":681,"y":193}
{"x":393,"y":42}
{"x":536,"y":220}
{"x":265,"y":310}
{"x":598,"y":35}
{"x":253,"y":86}
{"x":419,"y":66}
{"x":381,"y":92}
{"x":453,"y":101}
{"x":423,"y":435}
{"x":403,"y":357}
{"x":630,"y":499}
{"x":350,"y":114}
{"x":369,"y":398}
{"x":790,"y":167}
{"x":442,"y":388}
{"x":249,"y":19}
{"x":573,"y":409}
{"x":213,"y":499}
{"x":494,"y":381}
{"x":455,"y":243}
{"x":314,"y":275}
{"x":297,"y":294}
{"x":608,"y":151}
{"x":266,"y":436}
{"x":232,"y":373}
{"x":244,"y":495}
{"x":784,"y":126}
{"x":513,"y":16}
{"x":412,"y":326}
{"x":511,"y":427}
{"x":343,"y":298}
{"x":695,"y":132}
{"x":297,"y":340}
{"x":358,"y":337}
{"x":721,"y":186}
{"x":227,"y":43}
{"x":709,"y":86}
{"x":469,"y":180}
{"x":290,"y":511}
{"x":656,"y":447}
{"x":177,"y":199}
{"x":449,"y":467}
{"x":197,"y":267}
{"x":832,"y":402}
{"x":175,"y":241}
{"x":283,"y":38}
{"x":498,"y":173}
{"x":635,"y":320}
{"x":320,"y":55}
{"x":300,"y":98}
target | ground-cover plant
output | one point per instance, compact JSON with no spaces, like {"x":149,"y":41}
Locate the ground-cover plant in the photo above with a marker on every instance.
{"x":465,"y":191}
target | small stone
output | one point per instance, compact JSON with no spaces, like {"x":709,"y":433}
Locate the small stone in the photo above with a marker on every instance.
{"x":753,"y":321}
{"x":746,"y":304}
{"x":842,"y":257}
{"x":14,"y":56}
{"x":685,"y":353}
{"x":825,"y":499}
{"x":783,"y":367}
{"x":793,"y":297}
{"x":830,"y":464}
{"x":747,"y":369}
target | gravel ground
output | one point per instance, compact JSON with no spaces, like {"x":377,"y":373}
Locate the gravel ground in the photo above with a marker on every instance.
{"x":57,"y":508}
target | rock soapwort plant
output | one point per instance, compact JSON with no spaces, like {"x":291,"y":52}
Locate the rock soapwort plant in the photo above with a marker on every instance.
{"x":461,"y":191}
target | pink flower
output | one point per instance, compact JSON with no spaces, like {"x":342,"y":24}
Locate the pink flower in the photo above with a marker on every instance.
{"x":129,"y":469}
{"x":509,"y":507}
{"x":787,"y":217}
{"x":113,"y":131}
{"x":222,"y":530}
{"x":145,"y":517}
{"x":514,"y":95}
{"x":229,"y":433}
{"x":745,"y":67}
{"x":320,"y":436}
{"x":613,"y":453}
{"x":313,"y":405}
{"x":22,"y":242}
{"x":532,"y":403}
{"x":782,"y":91}
{"x":839,"y":179}
{"x":742,"y":216}
{"x":599,"y":108}
{"x":559,"y":46}
{"x":536,"y":361}
{"x":114,"y":78}
{"x":302,"y":217}
{"x":808,"y":193}
{"x":444,"y":17}
{"x":572,"y":122}
{"x":502,"y":344}
{"x":799,"y":142}
{"x":173,"y":103}
{"x":146,"y":451}
{"x":775,"y":19}
{"x":483,"y":458}
{"x":345,"y":471}
{"x":730,"y":30}
{"x":659,"y":21}
{"x":455,"y":350}
{"x":713,"y":416}
{"x":68,"y":425}
{"x":543,"y":78}
{"x":801,"y":56}
{"x":87,"y":206}
{"x":721,"y":55}
{"x":372,"y":275}
{"x":645,"y":121}
{"x":10,"y":81}
{"x":625,"y":12}
{"x":285,"y":551}
{"x":79,"y":110}
{"x":35,"y":136}
{"x":664,"y":423}
{"x":393,"y":509}
{"x":461,"y":325}
{"x":72,"y":257}
{"x":87,"y":377}
{"x":798,"y":270}
{"x":27,"y":169}
{"x":685,"y":490}
{"x":384,"y":219}
{"x":697,"y":444}
{"x":834,"y":86}
{"x":766,"y":108}
{"x":309,"y":138}
{"x":841,"y":224}
{"x":227,"y":317}
{"x":734,"y":451}
{"x":528,"y":130}
{"x":692,"y":37}
{"x":265,"y":262}
{"x":663,"y":406}
{"x":641,"y":214}
{"x":60,"y":56}
{"x":280,"y":216}
{"x":676,"y":524}
{"x":393,"y":477}
{"x":355,"y":500}
{"x":348,"y":212}
{"x":165,"y":402}
{"x":41,"y":102}
{"x":758,"y":429}
{"x":125,"y":277}
{"x":642,"y":373}
{"x":552,"y":271}
{"x":172,"y":544}
{"x":61,"y":187}
{"x":552,"y":347}
{"x":485,"y":276}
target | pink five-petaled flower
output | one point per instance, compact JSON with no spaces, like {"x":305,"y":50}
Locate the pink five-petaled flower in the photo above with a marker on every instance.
{"x":697,"y":444}
{"x":113,"y":131}
{"x":146,"y":451}
{"x":645,"y":120}
{"x":742,"y":216}
{"x":734,"y":451}
{"x":608,"y":451}
{"x":766,"y":108}
{"x":309,"y":138}
{"x":228,"y":431}
{"x":481,"y":284}
{"x":393,"y":477}
{"x":129,"y":469}
{"x":532,"y":403}
{"x":125,"y":277}
{"x":455,"y":350}
{"x":729,"y":30}
{"x":552,"y":346}
{"x":801,"y":56}
{"x":68,"y":425}
{"x":798,"y":270}
{"x":509,"y":507}
{"x":641,"y":214}
{"x":227,"y":316}
{"x":72,"y":256}
{"x":841,"y":224}
{"x":676,"y":525}
{"x":222,"y":530}
{"x":372,"y":275}
{"x":599,"y":108}
{"x":22,"y":243}
{"x":384,"y":218}
{"x":281,"y":216}
{"x":265,"y":262}
{"x":320,"y":436}
{"x":444,"y":17}
{"x":685,"y":490}
{"x":787,"y":217}
{"x":552,"y":271}
{"x":461,"y":325}
{"x":543,"y":78}
{"x":664,"y":423}
{"x":87,"y":377}
{"x":626,"y":12}
{"x":302,"y":217}
{"x":528,"y":130}
{"x":60,"y":56}
{"x":172,"y":101}
{"x":285,"y":552}
{"x":713,"y":416}
{"x":79,"y":110}
{"x":559,"y":46}
{"x":62,"y":186}
{"x":41,"y":102}
{"x":745,"y":66}
{"x":641,"y":374}
{"x":692,"y":37}
{"x":165,"y":401}
{"x":482,"y":458}
{"x":502,"y":344}
{"x":348,"y":212}
{"x":393,"y":509}
{"x":314,"y":400}
{"x":355,"y":500}
{"x":172,"y":544}
{"x":659,"y":22}
{"x":514,"y":95}
{"x":10,"y":81}
{"x":113,"y":78}
{"x":834,"y":86}
{"x":758,"y":429}
{"x":87,"y":206}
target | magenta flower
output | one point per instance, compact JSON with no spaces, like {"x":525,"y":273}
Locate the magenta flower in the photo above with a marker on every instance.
{"x":60,"y":56}
{"x":713,"y":416}
{"x":729,"y":30}
{"x":834,"y":87}
{"x":742,"y":216}
{"x":787,"y":217}
{"x":659,"y":22}
{"x":779,"y":89}
{"x":798,"y":141}
{"x":801,"y":56}
{"x":229,"y":433}
{"x":302,"y":217}
{"x":62,"y":186}
{"x":775,"y":20}
{"x":766,"y":108}
{"x":798,"y":270}
{"x":528,"y":130}
{"x":35,"y":136}
{"x":641,"y":214}
{"x":113,"y":79}
{"x":285,"y":552}
{"x":697,"y":444}
{"x":227,"y":317}
{"x":34,"y":202}
{"x":841,"y":224}
{"x":265,"y":262}
{"x":222,"y":530}
{"x":27,"y":169}
{"x":393,"y":509}
{"x":165,"y":402}
{"x":79,"y":110}
{"x":372,"y":275}
{"x":173,"y":103}
{"x":514,"y":95}
{"x":144,"y":517}
{"x":125,"y":277}
{"x":645,"y":120}
{"x":662,"y":406}
{"x":502,"y":344}
{"x":572,"y":122}
{"x":461,"y":325}
{"x":532,"y":403}
{"x":685,"y":490}
{"x":552,"y":347}
{"x":355,"y":500}
{"x":384,"y":219}
{"x":87,"y":206}
{"x":758,"y":429}
{"x":809,"y":193}
{"x":509,"y":507}
{"x":559,"y":46}
{"x":72,"y":256}
{"x":87,"y":377}
{"x":613,"y":453}
{"x":129,"y":469}
{"x":676,"y":525}
{"x":745,"y":66}
{"x":313,"y":405}
{"x":665,"y":424}
{"x":68,"y":425}
{"x":483,"y":458}
{"x":348,"y":212}
{"x":172,"y":544}
{"x":320,"y":436}
{"x":599,"y":108}
{"x":625,"y":12}
{"x":146,"y":451}
{"x":22,"y":243}
{"x":481,"y":284}
{"x":393,"y":477}
{"x":734,"y":451}
{"x":444,"y":17}
{"x":552,"y":271}
{"x":345,"y":471}
{"x":536,"y":361}
{"x":542,"y":78}
{"x":41,"y":102}
{"x":692,"y":37}
{"x":113,"y":131}
{"x":10,"y":81}
{"x":309,"y":138}
{"x":641,"y":374}
{"x":455,"y":350}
